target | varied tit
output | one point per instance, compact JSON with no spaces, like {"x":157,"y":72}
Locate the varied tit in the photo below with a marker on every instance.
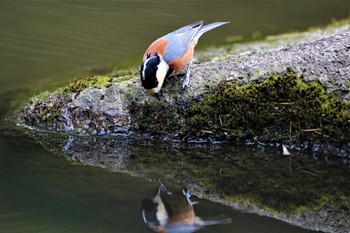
{"x":172,"y":54}
{"x":173,"y":213}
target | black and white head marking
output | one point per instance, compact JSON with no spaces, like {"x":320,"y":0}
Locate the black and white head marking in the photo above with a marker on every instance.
{"x":153,"y":72}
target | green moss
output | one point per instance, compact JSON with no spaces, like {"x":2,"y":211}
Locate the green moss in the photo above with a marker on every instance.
{"x":161,"y":118}
{"x":101,"y":81}
{"x":124,"y":78}
{"x":119,"y":73}
{"x":124,"y":75}
{"x":280,"y":109}
{"x":78,"y":85}
{"x":98,"y":81}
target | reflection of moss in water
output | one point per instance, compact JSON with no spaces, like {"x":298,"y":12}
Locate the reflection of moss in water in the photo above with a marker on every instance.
{"x":281,"y":185}
{"x":281,"y":108}
{"x":277,"y":184}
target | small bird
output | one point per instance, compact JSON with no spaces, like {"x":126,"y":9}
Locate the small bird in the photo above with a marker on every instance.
{"x":173,"y":213}
{"x":172,"y":54}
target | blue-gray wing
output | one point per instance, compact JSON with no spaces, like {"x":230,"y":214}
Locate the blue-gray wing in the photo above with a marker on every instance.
{"x":179,"y":40}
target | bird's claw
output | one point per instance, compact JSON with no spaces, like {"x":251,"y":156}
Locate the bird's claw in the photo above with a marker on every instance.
{"x":187,"y":77}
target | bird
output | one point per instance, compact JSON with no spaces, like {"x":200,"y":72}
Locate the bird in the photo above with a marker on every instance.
{"x":173,"y":212}
{"x":172,"y":54}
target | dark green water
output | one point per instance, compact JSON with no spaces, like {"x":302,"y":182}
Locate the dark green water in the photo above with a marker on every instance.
{"x":45,"y":43}
{"x":43,"y":192}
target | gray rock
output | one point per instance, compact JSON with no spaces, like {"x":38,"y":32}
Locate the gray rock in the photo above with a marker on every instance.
{"x":109,"y":110}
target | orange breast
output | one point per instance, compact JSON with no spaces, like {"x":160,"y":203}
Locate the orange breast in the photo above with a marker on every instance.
{"x":182,"y":212}
{"x":180,"y":64}
{"x":157,"y":46}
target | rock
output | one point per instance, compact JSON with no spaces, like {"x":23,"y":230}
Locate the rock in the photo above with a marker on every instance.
{"x":114,"y":105}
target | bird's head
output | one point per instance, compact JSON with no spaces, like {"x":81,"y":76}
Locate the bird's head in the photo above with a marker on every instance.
{"x":153,"y":72}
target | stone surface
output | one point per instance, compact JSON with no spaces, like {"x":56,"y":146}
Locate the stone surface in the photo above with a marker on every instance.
{"x":324,"y":58}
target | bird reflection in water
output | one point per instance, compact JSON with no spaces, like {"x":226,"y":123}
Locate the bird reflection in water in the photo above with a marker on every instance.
{"x":168,"y":212}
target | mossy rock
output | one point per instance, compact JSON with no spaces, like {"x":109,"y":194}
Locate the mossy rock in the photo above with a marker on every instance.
{"x":248,"y":98}
{"x":281,"y":109}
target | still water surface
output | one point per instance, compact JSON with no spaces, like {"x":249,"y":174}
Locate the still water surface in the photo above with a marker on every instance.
{"x":43,"y":192}
{"x":45,"y":43}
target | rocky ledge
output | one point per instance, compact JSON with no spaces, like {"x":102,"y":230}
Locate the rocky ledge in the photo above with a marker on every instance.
{"x":278,"y":91}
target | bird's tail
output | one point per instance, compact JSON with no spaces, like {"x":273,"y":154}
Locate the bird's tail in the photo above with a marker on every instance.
{"x":208,"y":27}
{"x":221,"y":219}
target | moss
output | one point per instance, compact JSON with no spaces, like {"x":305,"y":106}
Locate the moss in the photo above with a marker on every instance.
{"x":124,"y":78}
{"x":99,"y":81}
{"x":280,"y":109}
{"x":161,"y":118}
{"x":102,"y":81}
{"x":276,"y":109}
{"x":124,"y":75}
{"x":78,"y":85}
{"x":120,"y":73}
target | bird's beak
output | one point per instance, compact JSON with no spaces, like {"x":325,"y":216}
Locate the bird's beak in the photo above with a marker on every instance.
{"x":157,"y":94}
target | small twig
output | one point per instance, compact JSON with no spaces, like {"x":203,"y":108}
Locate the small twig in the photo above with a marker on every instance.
{"x":206,"y":131}
{"x":226,"y":129}
{"x":186,"y":136}
{"x":310,"y":173}
{"x":317,"y":130}
{"x":290,"y":133}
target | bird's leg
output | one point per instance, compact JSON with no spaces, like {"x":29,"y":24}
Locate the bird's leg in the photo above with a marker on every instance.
{"x":187,"y":76}
{"x":188,"y":195}
{"x":162,"y":187}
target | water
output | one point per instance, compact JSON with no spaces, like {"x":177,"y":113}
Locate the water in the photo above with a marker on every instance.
{"x":44,"y":192}
{"x":46,"y":43}
{"x":42,"y":42}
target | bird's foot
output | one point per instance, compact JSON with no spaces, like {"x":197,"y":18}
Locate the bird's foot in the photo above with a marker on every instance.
{"x":187,"y":194}
{"x":187,"y":77}
{"x":185,"y":83}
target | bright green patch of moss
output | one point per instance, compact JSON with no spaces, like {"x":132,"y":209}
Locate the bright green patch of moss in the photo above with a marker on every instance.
{"x":97,"y":81}
{"x":102,"y":81}
{"x":78,"y":85}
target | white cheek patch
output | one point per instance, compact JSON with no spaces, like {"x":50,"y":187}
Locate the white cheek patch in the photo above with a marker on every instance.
{"x":143,"y":70}
{"x":161,"y":73}
{"x":162,"y":214}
